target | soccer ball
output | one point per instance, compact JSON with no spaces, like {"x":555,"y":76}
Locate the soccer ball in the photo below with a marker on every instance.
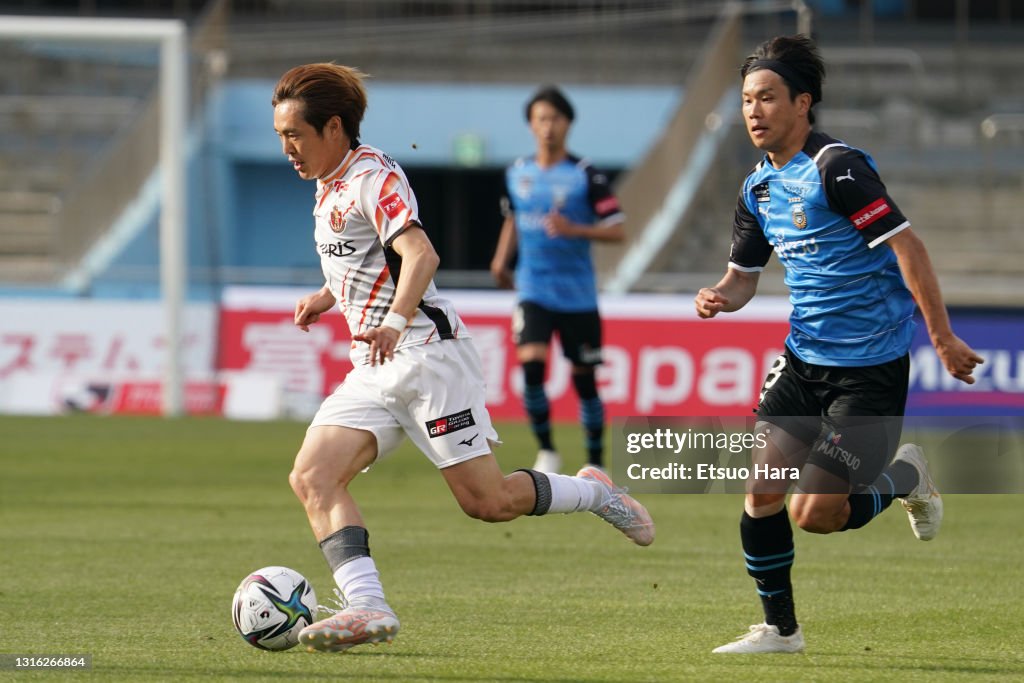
{"x":271,"y":606}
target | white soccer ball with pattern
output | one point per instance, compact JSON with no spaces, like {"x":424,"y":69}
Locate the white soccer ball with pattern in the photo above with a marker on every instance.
{"x":271,"y":606}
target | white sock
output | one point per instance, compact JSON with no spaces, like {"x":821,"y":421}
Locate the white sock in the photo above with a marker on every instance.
{"x":574,"y":494}
{"x":359,"y":579}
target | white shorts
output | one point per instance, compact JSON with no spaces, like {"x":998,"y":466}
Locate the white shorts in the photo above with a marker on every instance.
{"x":432,"y":393}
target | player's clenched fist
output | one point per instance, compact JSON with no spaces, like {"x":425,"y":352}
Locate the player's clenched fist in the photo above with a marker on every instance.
{"x":709,"y":302}
{"x":309,"y":308}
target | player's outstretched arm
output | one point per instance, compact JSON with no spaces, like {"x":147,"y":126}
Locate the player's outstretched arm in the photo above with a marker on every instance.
{"x":958,"y":358}
{"x":309,"y":308}
{"x":557,"y":225}
{"x":732,"y":293}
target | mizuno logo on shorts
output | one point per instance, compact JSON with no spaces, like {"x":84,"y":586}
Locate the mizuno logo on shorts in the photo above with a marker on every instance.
{"x":450,"y":423}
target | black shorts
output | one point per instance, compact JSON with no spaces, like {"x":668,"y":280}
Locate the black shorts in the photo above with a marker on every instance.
{"x":579,"y":333}
{"x":850,"y":417}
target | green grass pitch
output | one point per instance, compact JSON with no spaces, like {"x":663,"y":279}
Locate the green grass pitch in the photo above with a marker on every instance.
{"x":125,"y":539}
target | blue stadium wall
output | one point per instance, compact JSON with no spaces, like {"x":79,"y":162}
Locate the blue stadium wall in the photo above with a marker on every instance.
{"x":248,"y":209}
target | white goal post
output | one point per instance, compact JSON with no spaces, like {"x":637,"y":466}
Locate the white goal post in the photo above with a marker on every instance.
{"x":170,"y":35}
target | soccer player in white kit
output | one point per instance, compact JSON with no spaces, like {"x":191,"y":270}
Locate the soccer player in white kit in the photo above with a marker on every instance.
{"x":416,"y":372}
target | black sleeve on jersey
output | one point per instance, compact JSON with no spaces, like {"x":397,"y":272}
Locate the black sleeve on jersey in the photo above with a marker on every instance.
{"x":396,"y":235}
{"x":854,"y":190}
{"x":505,"y":203}
{"x":750,"y":248}
{"x":599,"y":192}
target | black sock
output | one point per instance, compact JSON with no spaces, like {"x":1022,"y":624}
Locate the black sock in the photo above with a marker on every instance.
{"x":536,"y":403}
{"x":896,"y":481}
{"x":768,"y":550}
{"x":591,"y":415}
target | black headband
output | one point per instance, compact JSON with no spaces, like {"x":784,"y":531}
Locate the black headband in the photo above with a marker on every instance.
{"x":789,"y":74}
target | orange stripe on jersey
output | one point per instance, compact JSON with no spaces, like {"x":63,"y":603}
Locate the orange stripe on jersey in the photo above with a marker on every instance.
{"x":341,"y":290}
{"x":373,"y":294}
{"x":359,"y":153}
{"x":350,"y":159}
{"x":389,"y":185}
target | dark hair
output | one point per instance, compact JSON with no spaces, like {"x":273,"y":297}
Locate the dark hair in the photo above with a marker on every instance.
{"x":555,"y":98}
{"x":796,"y":59}
{"x":325,"y":90}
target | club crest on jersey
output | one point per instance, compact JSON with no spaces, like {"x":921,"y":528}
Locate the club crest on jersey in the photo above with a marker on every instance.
{"x":337,"y":220}
{"x":523,"y":186}
{"x":799,"y":216}
{"x":392,"y":205}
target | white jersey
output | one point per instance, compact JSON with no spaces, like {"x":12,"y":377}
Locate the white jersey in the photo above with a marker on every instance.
{"x":360,"y":209}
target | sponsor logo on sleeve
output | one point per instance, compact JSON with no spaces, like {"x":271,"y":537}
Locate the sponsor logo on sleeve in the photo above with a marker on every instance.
{"x":761,"y":193}
{"x":450,"y":423}
{"x":607,"y":205}
{"x":870,"y":213}
{"x":392,"y":205}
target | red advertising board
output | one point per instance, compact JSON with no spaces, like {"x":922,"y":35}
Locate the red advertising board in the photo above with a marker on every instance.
{"x":659,"y":358}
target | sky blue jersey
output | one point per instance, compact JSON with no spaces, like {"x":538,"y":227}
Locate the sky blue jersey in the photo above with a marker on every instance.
{"x":557,"y":272}
{"x":827,"y":215}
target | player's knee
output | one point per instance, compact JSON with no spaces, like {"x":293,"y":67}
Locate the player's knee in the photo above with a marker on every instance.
{"x":584,"y":381}
{"x":815,"y":520}
{"x":312,"y":481}
{"x":764,"y":504}
{"x":485,"y":509}
{"x":303,"y":481}
{"x":300,"y":484}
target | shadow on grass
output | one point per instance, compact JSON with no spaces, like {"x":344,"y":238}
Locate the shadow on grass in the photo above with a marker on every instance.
{"x":864,"y":661}
{"x":130,"y":673}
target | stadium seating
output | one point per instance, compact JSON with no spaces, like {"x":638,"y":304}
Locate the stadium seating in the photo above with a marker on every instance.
{"x":915,"y":92}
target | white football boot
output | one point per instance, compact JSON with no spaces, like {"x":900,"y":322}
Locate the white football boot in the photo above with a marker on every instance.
{"x":923,"y":504}
{"x":763,"y":639}
{"x":621,"y":510}
{"x":367,"y":621}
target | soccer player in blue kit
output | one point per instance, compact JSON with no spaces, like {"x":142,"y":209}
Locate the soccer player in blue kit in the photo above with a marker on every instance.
{"x":832,"y":403}
{"x":555,"y":205}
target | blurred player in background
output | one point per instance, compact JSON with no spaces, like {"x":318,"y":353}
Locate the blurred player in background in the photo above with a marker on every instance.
{"x":416,"y":373}
{"x":555,"y":204}
{"x":854,"y":269}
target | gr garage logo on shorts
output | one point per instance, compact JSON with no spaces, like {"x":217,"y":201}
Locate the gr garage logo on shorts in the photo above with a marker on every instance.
{"x":450,"y":423}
